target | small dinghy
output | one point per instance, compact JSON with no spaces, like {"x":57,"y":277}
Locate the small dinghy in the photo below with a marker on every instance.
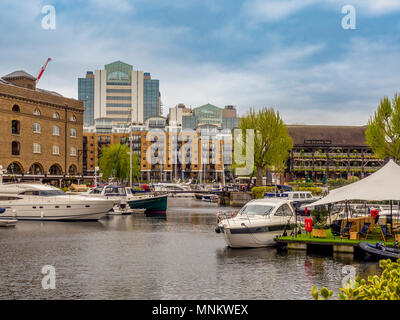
{"x":379,"y":251}
{"x":4,"y":222}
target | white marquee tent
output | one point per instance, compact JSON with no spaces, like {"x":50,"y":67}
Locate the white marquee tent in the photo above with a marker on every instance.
{"x":383,"y":184}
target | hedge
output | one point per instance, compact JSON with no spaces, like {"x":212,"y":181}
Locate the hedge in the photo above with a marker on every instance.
{"x":258,"y":192}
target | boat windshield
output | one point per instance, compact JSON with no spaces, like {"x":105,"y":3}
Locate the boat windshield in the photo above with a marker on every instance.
{"x":256,"y":209}
{"x":115,"y":191}
{"x":44,"y":193}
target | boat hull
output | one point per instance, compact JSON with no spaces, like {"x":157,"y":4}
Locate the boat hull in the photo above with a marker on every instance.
{"x":153,"y":205}
{"x":250,"y":240}
{"x":91,"y":211}
{"x":378,"y":254}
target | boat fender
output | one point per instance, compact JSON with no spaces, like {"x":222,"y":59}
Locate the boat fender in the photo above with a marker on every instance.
{"x":217,"y":229}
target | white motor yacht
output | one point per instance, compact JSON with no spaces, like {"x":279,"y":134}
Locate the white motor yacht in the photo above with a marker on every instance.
{"x":257,"y":223}
{"x":30,"y":201}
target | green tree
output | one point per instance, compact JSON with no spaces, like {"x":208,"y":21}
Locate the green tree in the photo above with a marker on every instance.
{"x":383,"y":131}
{"x":272,"y":141}
{"x":114,"y":162}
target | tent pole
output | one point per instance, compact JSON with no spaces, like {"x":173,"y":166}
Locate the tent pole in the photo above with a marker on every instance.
{"x":391,"y":216}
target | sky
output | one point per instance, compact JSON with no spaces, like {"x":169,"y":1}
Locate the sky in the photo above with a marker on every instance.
{"x":291,"y":55}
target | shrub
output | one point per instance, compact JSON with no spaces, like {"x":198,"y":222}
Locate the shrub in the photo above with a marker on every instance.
{"x":383,"y":287}
{"x":316,"y":191}
{"x":258,"y":192}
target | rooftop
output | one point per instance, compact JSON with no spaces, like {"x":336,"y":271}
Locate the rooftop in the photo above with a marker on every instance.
{"x":331,"y":135}
{"x":19,"y":74}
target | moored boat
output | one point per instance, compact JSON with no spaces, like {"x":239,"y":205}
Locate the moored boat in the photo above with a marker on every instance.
{"x":154,"y":205}
{"x":43,"y":202}
{"x":4,"y":222}
{"x":257,"y":223}
{"x":379,"y":251}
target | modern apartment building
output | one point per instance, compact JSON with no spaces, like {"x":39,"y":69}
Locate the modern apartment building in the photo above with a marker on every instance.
{"x":121,"y":94}
{"x":206,"y":115}
{"x":165,"y":153}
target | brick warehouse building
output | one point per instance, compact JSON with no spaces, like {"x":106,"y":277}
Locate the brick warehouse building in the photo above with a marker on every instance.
{"x":330,"y":151}
{"x":41,"y":131}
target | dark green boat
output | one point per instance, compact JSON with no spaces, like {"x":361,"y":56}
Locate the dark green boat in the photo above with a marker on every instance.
{"x":153,"y":206}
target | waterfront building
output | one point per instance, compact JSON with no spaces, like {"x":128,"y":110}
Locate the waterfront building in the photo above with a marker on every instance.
{"x":41,"y":131}
{"x":205,"y":115}
{"x":175,"y":114}
{"x":120,"y":93}
{"x":165,"y":152}
{"x":330,"y":151}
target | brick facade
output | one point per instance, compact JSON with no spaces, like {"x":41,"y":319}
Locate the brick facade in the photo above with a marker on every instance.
{"x":18,"y":106}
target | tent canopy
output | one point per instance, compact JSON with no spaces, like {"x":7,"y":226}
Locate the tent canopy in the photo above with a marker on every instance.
{"x":383,"y":184}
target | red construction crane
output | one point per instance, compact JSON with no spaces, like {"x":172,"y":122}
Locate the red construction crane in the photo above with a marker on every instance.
{"x":42,"y":70}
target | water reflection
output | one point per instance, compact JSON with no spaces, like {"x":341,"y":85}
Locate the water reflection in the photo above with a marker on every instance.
{"x":136,"y":257}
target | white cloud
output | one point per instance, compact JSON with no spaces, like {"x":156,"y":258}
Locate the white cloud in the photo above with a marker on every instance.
{"x":277,"y":10}
{"x":345,"y":90}
{"x":274,"y":10}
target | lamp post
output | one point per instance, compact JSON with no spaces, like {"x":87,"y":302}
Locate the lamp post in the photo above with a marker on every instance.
{"x":95,"y":176}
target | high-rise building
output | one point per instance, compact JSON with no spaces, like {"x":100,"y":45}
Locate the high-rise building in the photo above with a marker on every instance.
{"x":122,"y":95}
{"x":86,"y":94}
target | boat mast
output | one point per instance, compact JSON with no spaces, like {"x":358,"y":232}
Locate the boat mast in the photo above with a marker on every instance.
{"x":130,"y":155}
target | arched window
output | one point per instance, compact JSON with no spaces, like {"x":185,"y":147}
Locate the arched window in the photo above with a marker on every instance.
{"x":56,"y":131}
{"x":36,"y":112}
{"x":15,"y":148}
{"x":72,"y":133}
{"x":72,"y":152}
{"x":37,"y":148}
{"x":36,"y":168}
{"x":56,"y":115}
{"x":72,"y":170}
{"x":14,"y":168}
{"x":55,"y":169}
{"x":36,"y":128}
{"x":73,"y":118}
{"x":15,"y":127}
{"x":15,"y":108}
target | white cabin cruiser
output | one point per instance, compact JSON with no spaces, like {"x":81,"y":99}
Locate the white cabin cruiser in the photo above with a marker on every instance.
{"x":30,"y":201}
{"x":257,"y":223}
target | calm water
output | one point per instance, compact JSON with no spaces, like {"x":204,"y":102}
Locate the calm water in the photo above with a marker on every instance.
{"x":134,"y":257}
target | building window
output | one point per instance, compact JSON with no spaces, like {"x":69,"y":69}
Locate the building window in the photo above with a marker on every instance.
{"x":56,"y":131}
{"x":72,"y":170}
{"x":36,"y":128}
{"x":72,"y":133}
{"x":72,"y":152}
{"x":36,"y":112}
{"x":15,"y":148}
{"x":56,"y":150}
{"x":73,"y":118}
{"x":36,"y":148}
{"x":15,"y":108}
{"x":55,"y":169}
{"x":15,"y":127}
{"x":56,"y":115}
